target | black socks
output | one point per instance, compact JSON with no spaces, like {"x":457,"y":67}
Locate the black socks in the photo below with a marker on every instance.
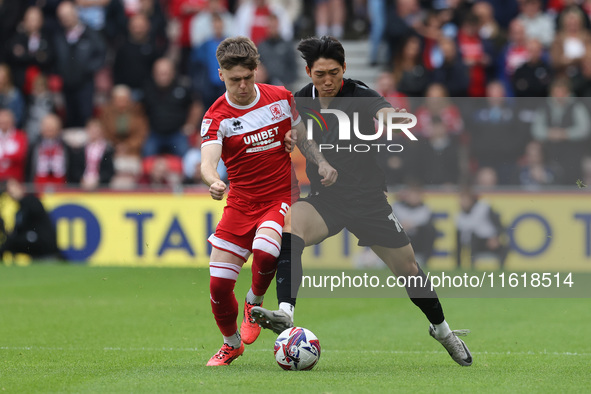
{"x":289,"y":262}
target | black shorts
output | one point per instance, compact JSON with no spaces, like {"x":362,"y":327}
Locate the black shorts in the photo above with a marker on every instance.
{"x":371,"y":220}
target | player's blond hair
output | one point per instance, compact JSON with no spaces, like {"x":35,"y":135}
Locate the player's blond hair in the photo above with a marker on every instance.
{"x":237,"y":51}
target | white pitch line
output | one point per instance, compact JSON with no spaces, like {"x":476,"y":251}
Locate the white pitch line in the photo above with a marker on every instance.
{"x":172,"y":349}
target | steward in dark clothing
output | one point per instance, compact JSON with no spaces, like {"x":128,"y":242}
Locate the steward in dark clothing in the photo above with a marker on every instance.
{"x":33,"y":232}
{"x":80,"y":53}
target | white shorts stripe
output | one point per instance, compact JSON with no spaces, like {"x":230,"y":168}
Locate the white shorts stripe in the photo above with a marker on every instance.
{"x":272,"y":225}
{"x":229,"y":247}
{"x":224,"y":270}
{"x":266,"y":244}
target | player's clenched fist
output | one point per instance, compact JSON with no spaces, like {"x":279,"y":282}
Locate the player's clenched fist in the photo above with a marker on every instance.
{"x":217,"y":190}
{"x":328,"y":173}
{"x":290,"y":141}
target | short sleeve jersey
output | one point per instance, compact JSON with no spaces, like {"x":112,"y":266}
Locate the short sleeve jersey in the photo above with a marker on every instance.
{"x":359,"y":173}
{"x":252,"y":137}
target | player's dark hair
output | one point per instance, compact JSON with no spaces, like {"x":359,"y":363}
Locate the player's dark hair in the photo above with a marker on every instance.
{"x":237,"y":51}
{"x":327,"y":47}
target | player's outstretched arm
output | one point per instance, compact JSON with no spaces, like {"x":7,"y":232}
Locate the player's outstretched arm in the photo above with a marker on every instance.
{"x":311,"y":152}
{"x":210,"y":157}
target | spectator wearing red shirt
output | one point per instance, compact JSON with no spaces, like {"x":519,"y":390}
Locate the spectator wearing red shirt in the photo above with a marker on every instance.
{"x":252,"y":18}
{"x":184,"y":11}
{"x":475,"y":55}
{"x":513,"y":56}
{"x":13,"y":148}
{"x":437,"y":104}
{"x":50,"y":161}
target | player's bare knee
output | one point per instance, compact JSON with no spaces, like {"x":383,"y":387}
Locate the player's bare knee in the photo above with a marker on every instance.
{"x":410,"y":268}
{"x":405,"y":268}
{"x":287,"y":223}
{"x":300,"y":228}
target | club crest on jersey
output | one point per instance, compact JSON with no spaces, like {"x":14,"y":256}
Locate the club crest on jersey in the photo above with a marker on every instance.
{"x":276,"y":112}
{"x":237,"y":125}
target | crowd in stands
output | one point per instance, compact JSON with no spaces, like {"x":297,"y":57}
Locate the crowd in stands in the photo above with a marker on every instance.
{"x":110,"y":93}
{"x":505,"y":86}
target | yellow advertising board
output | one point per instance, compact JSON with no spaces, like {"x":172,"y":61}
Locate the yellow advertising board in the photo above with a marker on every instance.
{"x":547,"y":231}
{"x":140,"y":229}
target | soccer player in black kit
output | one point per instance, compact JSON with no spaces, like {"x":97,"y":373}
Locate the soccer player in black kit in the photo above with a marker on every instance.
{"x":356,"y":201}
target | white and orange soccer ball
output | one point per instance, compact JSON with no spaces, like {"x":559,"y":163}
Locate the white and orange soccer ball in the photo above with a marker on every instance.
{"x":297,"y":349}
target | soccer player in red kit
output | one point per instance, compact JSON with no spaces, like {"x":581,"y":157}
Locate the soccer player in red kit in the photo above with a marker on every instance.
{"x":246,"y":128}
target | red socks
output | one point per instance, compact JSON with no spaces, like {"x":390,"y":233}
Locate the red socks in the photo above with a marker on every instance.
{"x":223,"y":279}
{"x":265,"y":251}
{"x":221,"y":292}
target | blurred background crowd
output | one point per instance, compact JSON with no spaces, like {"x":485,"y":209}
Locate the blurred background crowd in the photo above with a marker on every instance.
{"x":110,"y":93}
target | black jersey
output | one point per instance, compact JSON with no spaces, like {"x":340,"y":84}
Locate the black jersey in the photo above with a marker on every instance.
{"x":359,"y":173}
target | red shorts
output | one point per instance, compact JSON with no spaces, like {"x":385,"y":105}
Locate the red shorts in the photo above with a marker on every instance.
{"x":241,"y":220}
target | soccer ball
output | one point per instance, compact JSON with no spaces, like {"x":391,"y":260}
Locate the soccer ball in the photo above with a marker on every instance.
{"x":297,"y":349}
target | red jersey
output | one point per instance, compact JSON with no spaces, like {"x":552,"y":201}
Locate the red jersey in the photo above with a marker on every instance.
{"x":13,"y":153}
{"x":515,"y":57}
{"x":259,"y":168}
{"x":258,"y":30}
{"x":472,"y":51}
{"x":180,"y":9}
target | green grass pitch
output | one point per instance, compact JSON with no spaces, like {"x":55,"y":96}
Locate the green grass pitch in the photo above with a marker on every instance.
{"x":84,"y":329}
